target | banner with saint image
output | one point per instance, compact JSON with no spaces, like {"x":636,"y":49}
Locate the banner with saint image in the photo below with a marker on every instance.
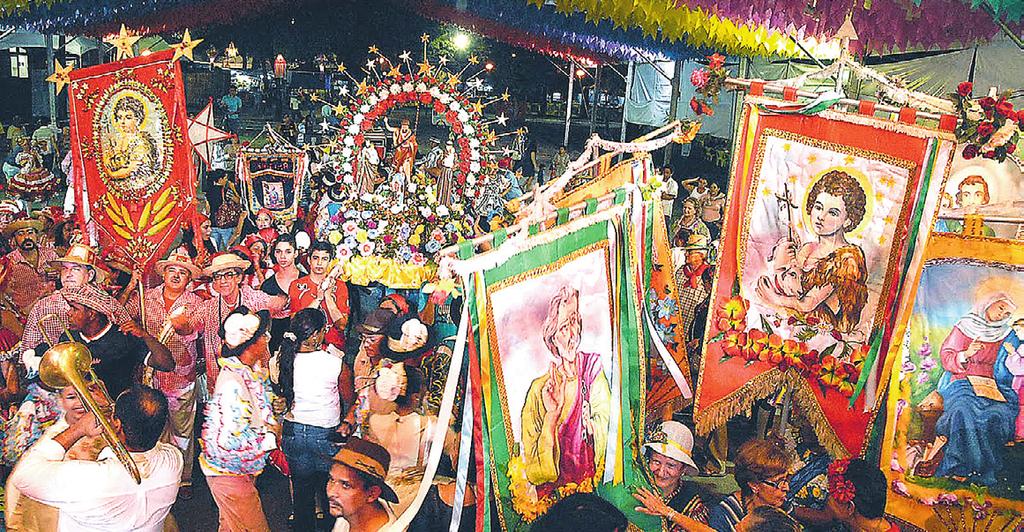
{"x":130,"y":146}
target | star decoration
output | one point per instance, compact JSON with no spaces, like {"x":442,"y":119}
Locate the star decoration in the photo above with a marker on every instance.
{"x":453,"y":81}
{"x":185,"y":47}
{"x":424,"y":38}
{"x":443,"y":60}
{"x":343,"y":91}
{"x":394,"y":72}
{"x":123,"y":42}
{"x":425,"y":68}
{"x":505,"y":96}
{"x":339,"y":109}
{"x":406,"y":56}
{"x":478,"y":108}
{"x":473,"y":60}
{"x":476,"y":83}
{"x":490,"y":137}
{"x":341,"y":68}
{"x":324,"y":126}
{"x":203,"y":134}
{"x":502,"y":119}
{"x":61,"y":75}
{"x":521,"y":131}
{"x":374,"y":50}
{"x":363,"y":88}
{"x":507,"y":152}
{"x":370,"y":64}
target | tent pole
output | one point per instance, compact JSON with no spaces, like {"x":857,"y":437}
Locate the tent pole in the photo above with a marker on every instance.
{"x":630,"y":71}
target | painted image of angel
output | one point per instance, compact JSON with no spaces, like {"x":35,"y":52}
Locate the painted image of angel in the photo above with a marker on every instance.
{"x":130,"y":154}
{"x":826,"y":276}
{"x":565,"y":415}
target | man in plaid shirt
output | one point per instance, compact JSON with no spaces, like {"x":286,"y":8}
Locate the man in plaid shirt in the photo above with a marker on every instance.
{"x":167,"y":314}
{"x":24,"y":268}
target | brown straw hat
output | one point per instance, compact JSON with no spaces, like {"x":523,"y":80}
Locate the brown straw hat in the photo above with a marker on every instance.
{"x":371,"y":459}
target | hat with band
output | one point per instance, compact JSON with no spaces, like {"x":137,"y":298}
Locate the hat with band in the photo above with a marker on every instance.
{"x":674,"y":440}
{"x":371,"y":459}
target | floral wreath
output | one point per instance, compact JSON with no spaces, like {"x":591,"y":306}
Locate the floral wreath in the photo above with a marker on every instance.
{"x":989,"y":127}
{"x":839,"y":488}
{"x":461,"y":115}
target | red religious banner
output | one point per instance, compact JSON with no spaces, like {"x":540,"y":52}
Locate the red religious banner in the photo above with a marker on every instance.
{"x":822,"y":224}
{"x":131,"y":151}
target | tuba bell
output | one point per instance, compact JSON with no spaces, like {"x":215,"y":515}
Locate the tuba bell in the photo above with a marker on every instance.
{"x":70,"y":364}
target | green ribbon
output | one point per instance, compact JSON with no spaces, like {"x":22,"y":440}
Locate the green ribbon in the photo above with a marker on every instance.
{"x":465,"y":249}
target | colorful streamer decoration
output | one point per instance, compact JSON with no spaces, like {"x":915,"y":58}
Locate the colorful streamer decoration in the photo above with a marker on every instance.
{"x":546,"y":31}
{"x":100,"y":17}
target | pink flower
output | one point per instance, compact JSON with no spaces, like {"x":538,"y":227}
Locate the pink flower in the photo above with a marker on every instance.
{"x":366,"y":249}
{"x":699,"y":78}
{"x":418,"y":259}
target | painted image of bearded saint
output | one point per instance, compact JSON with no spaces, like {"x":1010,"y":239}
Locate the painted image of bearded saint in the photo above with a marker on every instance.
{"x":130,"y":154}
{"x":565,"y":416}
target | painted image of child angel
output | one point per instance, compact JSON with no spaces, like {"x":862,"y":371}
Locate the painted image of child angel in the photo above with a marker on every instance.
{"x":825,"y":277}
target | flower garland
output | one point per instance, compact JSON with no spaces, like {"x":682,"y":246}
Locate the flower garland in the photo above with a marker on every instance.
{"x":765,"y":346}
{"x":709,"y":83}
{"x":459,"y":113}
{"x":989,"y":127}
{"x":839,"y":488}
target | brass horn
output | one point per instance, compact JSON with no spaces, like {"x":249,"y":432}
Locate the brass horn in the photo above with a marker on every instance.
{"x":70,"y":364}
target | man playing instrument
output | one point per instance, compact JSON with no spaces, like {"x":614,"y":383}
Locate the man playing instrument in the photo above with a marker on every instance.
{"x":99,"y":495}
{"x":167,"y":314}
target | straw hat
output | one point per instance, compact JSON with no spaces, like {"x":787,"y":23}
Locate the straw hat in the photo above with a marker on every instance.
{"x":22,"y":223}
{"x":371,"y":459}
{"x":696,"y":242}
{"x":180,"y":259}
{"x":225,"y":261}
{"x":77,"y":254}
{"x":241,"y":329}
{"x":674,"y":440}
{"x":89,"y":295}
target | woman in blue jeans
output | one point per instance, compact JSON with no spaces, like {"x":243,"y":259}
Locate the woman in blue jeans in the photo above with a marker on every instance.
{"x":308,"y":381}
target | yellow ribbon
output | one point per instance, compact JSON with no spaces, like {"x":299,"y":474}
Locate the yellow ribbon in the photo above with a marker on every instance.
{"x":389,"y":272}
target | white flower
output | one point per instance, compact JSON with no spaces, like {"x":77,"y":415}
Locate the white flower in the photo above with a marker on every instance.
{"x":357,"y":119}
{"x":364,"y":108}
{"x":346,"y":152}
{"x":367,"y":197}
{"x":353,"y":129}
{"x":470,"y":130}
{"x":442,"y":210}
{"x":372,"y":100}
{"x":471,"y":179}
{"x":343,"y":253}
{"x":349,"y":179}
{"x":412,"y":188}
{"x":474,"y":155}
{"x":473,"y":143}
{"x":474,"y":166}
{"x":407,"y":86}
{"x":435,"y":92}
{"x":395,"y":88}
{"x":421,"y":87}
{"x":444,"y":99}
{"x":349,"y":141}
{"x":463,"y":117}
{"x":366,"y":249}
{"x":396,"y":208}
{"x":454,"y":106}
{"x":347,"y":167}
{"x":390,"y":381}
{"x":383,"y":94}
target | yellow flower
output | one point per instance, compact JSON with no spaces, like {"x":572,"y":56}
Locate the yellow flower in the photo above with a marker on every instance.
{"x":414,"y":240}
{"x":420,"y":228}
{"x":361,"y":235}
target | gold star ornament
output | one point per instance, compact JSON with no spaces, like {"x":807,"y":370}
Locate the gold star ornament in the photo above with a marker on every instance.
{"x":425,"y":68}
{"x":478,"y":108}
{"x":363,"y":88}
{"x":123,"y":42}
{"x":61,"y":75}
{"x":473,"y":60}
{"x":394,"y":72}
{"x":373,"y":49}
{"x":341,"y":68}
{"x":185,"y":47}
{"x":424,"y":38}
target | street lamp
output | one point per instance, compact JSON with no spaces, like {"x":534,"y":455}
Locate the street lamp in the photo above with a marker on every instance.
{"x":460,"y":41}
{"x":580,"y":73}
{"x":489,"y":66}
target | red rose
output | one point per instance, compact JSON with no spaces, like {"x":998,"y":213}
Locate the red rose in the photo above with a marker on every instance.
{"x":438,"y":107}
{"x":991,"y":154}
{"x":359,"y":139}
{"x":985,"y":129}
{"x":1011,"y":147}
{"x":987,"y":102}
{"x":1005,"y":108}
{"x":970,"y":151}
{"x":365,"y":125}
{"x":425,"y":98}
{"x":965,"y":88}
{"x":695,"y":105}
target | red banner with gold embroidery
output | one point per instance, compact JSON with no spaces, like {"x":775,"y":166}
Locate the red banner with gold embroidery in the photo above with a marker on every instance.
{"x":819,"y":230}
{"x":135,"y":182}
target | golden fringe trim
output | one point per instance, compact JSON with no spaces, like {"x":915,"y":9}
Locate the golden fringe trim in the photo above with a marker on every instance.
{"x":808,"y":403}
{"x":716,"y":414}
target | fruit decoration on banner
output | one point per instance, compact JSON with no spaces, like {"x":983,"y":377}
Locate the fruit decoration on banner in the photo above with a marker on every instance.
{"x":989,"y":127}
{"x":370,"y":207}
{"x":827,"y":368}
{"x":709,"y":83}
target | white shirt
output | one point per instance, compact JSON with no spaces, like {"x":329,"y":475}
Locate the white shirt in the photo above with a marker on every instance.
{"x":341,"y":525}
{"x":669,"y":191}
{"x":101,"y":495}
{"x":316,"y":401}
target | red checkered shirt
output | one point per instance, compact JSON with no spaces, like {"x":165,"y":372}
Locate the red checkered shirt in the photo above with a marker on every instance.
{"x":26,"y":283}
{"x":183,"y":348}
{"x":211,"y":314}
{"x":55,"y":326}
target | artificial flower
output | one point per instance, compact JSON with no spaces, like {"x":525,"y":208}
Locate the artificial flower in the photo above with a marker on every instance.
{"x":1005,"y":108}
{"x":970,"y":151}
{"x":987,"y":103}
{"x":699,"y":78}
{"x":965,"y":88}
{"x":716,"y":61}
{"x":985,"y":129}
{"x":732,"y":315}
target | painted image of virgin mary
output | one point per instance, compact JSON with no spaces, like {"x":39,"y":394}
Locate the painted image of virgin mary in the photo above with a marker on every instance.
{"x":825,"y":278}
{"x":565,"y":416}
{"x":130,"y":153}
